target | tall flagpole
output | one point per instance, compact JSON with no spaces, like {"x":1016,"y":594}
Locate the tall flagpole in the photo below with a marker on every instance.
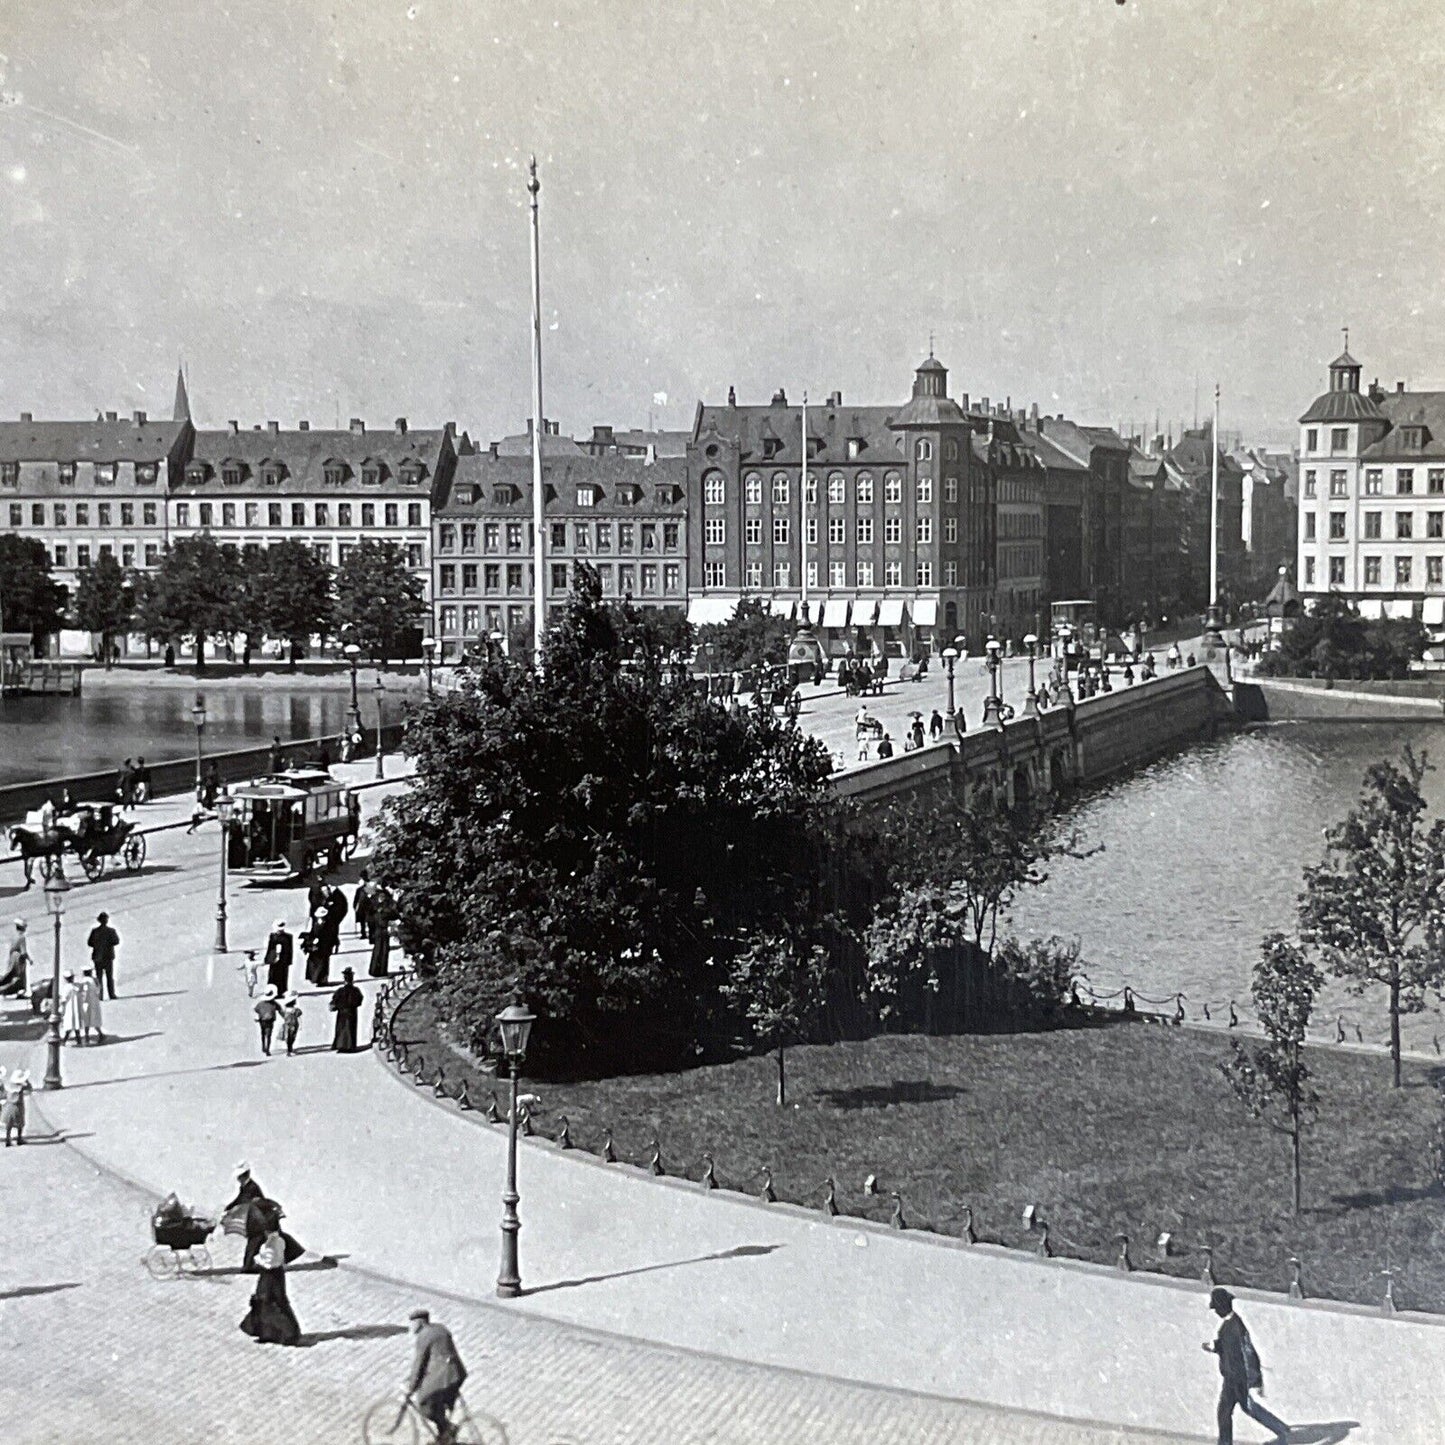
{"x":1214,"y":509}
{"x":803,"y":535}
{"x":539,"y":544}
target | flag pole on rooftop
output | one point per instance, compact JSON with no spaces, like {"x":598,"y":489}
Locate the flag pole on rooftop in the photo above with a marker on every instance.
{"x":539,"y":555}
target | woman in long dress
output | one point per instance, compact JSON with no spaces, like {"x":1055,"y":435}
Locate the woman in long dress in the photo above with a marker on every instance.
{"x":380,"y":964}
{"x":72,"y":1002}
{"x":346,"y":1004}
{"x":271,"y":1320}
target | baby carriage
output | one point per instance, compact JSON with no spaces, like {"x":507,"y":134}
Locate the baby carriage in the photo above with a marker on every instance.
{"x":180,"y":1236}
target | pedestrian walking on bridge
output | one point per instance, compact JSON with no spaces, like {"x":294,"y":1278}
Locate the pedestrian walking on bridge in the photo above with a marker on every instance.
{"x":1240,"y":1371}
{"x":103,"y":942}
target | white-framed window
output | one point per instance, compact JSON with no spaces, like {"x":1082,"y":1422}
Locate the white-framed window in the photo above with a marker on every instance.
{"x":1337,"y":526}
{"x":1310,"y":482}
{"x":837,"y":530}
{"x":925,"y":574}
{"x":1337,"y":571}
{"x":1435,"y":481}
{"x":950,"y":529}
{"x":865,"y":574}
{"x":1404,"y":481}
{"x":864,"y":488}
{"x":924,"y":450}
{"x":1404,"y":525}
{"x":1402,"y":571}
{"x":714,"y":531}
{"x":950,"y":489}
{"x":714,"y":574}
{"x":837,"y":574}
{"x":1372,"y":571}
{"x":1339,"y":439}
{"x":925,"y":529}
{"x":925,"y":489}
{"x":1337,"y":484}
{"x":865,"y":531}
{"x":950,"y":574}
{"x":812,"y":574}
{"x":753,"y":531}
{"x":1309,"y":571}
{"x":1374,"y":482}
{"x":780,"y":489}
{"x":1433,"y":576}
{"x":893,"y":529}
{"x":810,"y":489}
{"x":586,"y":497}
{"x":837,"y":489}
{"x":893,"y":574}
{"x":810,"y":530}
{"x":753,"y":573}
{"x":714,"y":489}
{"x":892,"y":487}
{"x":950,"y":451}
{"x":782,"y":574}
{"x":781,"y":531}
{"x":753,"y":489}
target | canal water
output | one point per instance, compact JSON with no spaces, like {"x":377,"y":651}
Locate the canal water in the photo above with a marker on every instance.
{"x":1203,"y":854}
{"x":53,"y":737}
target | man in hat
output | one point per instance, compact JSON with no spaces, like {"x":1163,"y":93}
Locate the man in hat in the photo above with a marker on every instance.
{"x":278,"y":957}
{"x":437,"y":1373}
{"x":103,"y":942}
{"x":1240,"y":1371}
{"x":249,"y":1193}
{"x":266,"y":1009}
{"x":17,"y":965}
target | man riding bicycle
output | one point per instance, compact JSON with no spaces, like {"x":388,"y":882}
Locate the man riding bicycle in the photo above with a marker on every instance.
{"x":437,"y":1374}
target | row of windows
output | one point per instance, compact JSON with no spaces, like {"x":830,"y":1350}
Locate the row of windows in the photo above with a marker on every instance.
{"x":584,"y":534}
{"x":60,"y":553}
{"x":1404,"y":526}
{"x":1339,"y":439}
{"x":715,"y":531}
{"x":104,"y":514}
{"x":714,"y":489}
{"x":1404,"y":571}
{"x":715,"y":574}
{"x":105,"y":473}
{"x":1375,"y":482}
{"x":471,"y":619}
{"x":494,"y":577}
{"x":320,"y":512}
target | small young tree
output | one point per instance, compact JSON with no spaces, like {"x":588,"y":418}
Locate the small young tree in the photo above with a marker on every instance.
{"x":378,"y":598}
{"x":296,"y":588}
{"x":1374,"y":910}
{"x":1273,"y":1076}
{"x":779,"y":983}
{"x":104,"y":601}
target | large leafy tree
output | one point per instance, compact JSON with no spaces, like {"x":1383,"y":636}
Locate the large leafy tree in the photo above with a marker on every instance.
{"x":1274,"y":1076}
{"x":1334,"y":641}
{"x":30,"y":599}
{"x":602,"y":836}
{"x":195,"y":592}
{"x":104,"y":601}
{"x":751,"y":637}
{"x":378,"y":600}
{"x":1373,"y":910}
{"x":296,"y":601}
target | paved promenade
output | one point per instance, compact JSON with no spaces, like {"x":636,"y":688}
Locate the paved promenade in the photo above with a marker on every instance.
{"x":403,"y":1188}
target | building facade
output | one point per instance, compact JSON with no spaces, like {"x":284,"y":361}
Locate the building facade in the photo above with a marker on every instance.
{"x":882,"y":520}
{"x":624,"y":515}
{"x":1372,"y":497}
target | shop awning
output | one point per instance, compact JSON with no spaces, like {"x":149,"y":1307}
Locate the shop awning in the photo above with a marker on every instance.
{"x":712,"y":608}
{"x":865,"y":611}
{"x":783,"y":607}
{"x":1434,"y":612}
{"x":1401,"y":608}
{"x":835,"y":612}
{"x":890,"y":612}
{"x":1372,"y":608}
{"x":925,"y":612}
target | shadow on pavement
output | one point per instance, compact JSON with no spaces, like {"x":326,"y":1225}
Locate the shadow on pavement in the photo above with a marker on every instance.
{"x":1330,"y":1434}
{"x":107,"y":1040}
{"x":160,"y":993}
{"x":24,"y":1291}
{"x":169,"y":1074}
{"x":741,"y":1251}
{"x":56,"y":1138}
{"x":352,"y":1332}
{"x":327,"y":1261}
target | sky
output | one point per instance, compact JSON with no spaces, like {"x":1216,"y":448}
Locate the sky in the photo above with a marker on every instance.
{"x":1101,"y":208}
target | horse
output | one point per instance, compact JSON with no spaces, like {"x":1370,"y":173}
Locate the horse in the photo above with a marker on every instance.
{"x":31,"y":845}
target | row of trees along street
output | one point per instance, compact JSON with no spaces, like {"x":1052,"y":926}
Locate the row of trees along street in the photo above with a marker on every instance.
{"x":204,"y":590}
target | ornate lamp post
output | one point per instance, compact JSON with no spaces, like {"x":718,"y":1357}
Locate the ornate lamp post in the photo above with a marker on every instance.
{"x":1031,"y":703}
{"x":428,"y":652}
{"x":353,"y":719}
{"x":515,"y":1022}
{"x":198,"y":716}
{"x":225,"y":805}
{"x":380,"y":737}
{"x":950,"y":660}
{"x":993,"y":703}
{"x":56,"y":888}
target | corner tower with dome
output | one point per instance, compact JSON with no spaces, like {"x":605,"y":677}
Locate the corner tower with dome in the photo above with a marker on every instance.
{"x":1372,"y":497}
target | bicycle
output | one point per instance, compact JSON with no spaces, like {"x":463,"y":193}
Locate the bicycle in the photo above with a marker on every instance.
{"x":395,"y":1420}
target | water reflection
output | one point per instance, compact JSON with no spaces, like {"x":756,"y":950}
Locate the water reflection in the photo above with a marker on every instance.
{"x":1204,"y":852}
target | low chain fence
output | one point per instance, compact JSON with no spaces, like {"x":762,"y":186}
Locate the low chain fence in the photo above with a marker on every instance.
{"x":1030,"y":1229}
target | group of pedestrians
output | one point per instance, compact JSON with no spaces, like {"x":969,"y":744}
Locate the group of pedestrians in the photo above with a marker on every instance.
{"x":133,"y":784}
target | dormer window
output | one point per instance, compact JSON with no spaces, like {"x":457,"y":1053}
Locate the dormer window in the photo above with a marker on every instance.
{"x":333,"y":472}
{"x":771,"y":447}
{"x":1412,"y":438}
{"x":506,"y":495}
{"x":10,"y":474}
{"x":232,"y":472}
{"x":146,"y":472}
{"x":66,"y":473}
{"x":629,"y":494}
{"x":855,"y":448}
{"x":271,"y":472}
{"x":105,"y":474}
{"x":412,"y":472}
{"x":587,"y":495}
{"x":195,"y":472}
{"x":371,"y":472}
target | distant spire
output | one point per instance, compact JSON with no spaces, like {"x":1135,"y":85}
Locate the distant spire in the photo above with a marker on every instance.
{"x":930,"y":345}
{"x":1346,"y":330}
{"x":182,"y":409}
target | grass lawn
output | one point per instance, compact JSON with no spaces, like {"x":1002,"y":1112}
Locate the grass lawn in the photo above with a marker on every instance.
{"x":1127,"y":1128}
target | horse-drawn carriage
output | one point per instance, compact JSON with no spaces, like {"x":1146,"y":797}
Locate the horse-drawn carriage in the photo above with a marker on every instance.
{"x":776,"y":690}
{"x":92,"y":832}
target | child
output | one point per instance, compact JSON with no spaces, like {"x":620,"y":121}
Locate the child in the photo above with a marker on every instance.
{"x":266,"y":1011}
{"x":12,"y":1111}
{"x":290,"y":1020}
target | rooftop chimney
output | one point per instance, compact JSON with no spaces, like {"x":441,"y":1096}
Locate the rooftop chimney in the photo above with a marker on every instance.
{"x":234,"y":425}
{"x":1399,"y":390}
{"x":529,"y":426}
{"x":139,"y":418}
{"x":357,"y":425}
{"x":780,"y":397}
{"x":27,"y":416}
{"x":985,"y":405}
{"x":553,"y":428}
{"x":963,"y":401}
{"x":1034,"y":414}
{"x":273,"y":426}
{"x":401,"y":426}
{"x":494,"y":446}
{"x":835,"y":399}
{"x":111,"y":416}
{"x":303,"y":425}
{"x":732,"y":396}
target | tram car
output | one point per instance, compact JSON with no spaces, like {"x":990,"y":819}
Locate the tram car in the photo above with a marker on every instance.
{"x":284,"y":826}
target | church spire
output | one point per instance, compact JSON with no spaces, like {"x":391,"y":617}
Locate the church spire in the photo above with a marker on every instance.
{"x":182,"y":409}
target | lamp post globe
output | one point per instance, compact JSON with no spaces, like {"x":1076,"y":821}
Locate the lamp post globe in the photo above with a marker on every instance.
{"x":352,"y":653}
{"x":993,"y":703}
{"x":198,"y":716}
{"x":428,"y":652}
{"x":225,"y":807}
{"x":1031,"y":702}
{"x":950,"y":661}
{"x":515,"y":1025}
{"x":380,"y":691}
{"x":56,"y":887}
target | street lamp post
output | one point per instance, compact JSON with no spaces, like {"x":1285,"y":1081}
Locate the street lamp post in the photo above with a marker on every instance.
{"x":1031,"y":702}
{"x":993,"y":703}
{"x":56,"y":888}
{"x":224,"y":806}
{"x":515,"y":1023}
{"x":950,"y":659}
{"x":380,"y":742}
{"x":428,"y":652}
{"x":353,"y":720}
{"x":198,"y":716}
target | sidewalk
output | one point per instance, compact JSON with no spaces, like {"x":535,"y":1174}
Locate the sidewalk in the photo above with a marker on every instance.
{"x":376,"y":1170}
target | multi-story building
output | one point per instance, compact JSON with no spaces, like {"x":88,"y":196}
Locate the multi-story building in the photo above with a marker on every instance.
{"x":1190,"y":463}
{"x":87,"y":488}
{"x":891,"y":540}
{"x":1372,"y":497}
{"x":328,"y":489}
{"x":1019,"y":481}
{"x":625,"y":516}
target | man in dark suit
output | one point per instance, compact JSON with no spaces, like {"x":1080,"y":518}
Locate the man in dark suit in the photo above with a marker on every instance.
{"x":103,"y":942}
{"x":278,"y":958}
{"x":248,"y":1195}
{"x":1239,"y":1370}
{"x":437,"y":1374}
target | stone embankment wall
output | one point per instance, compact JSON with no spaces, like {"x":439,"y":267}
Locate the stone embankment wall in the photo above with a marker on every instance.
{"x":1059,"y":748}
{"x":1277,"y":699}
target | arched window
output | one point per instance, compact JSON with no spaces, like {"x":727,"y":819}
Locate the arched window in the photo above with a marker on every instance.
{"x":714,"y":489}
{"x":924,"y":450}
{"x":837,"y":489}
{"x":753,"y":488}
{"x":950,"y":451}
{"x":780,"y":489}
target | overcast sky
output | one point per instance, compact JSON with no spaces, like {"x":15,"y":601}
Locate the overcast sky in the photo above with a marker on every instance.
{"x":321,"y":206}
